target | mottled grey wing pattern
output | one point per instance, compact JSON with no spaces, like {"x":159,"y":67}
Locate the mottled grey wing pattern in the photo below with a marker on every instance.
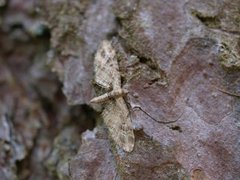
{"x":116,"y":117}
{"x":115,"y":114}
{"x":106,"y":67}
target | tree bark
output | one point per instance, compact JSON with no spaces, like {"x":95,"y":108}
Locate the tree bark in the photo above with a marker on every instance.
{"x":178,"y":60}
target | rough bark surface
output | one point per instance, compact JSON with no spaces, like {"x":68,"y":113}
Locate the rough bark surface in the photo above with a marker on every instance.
{"x":179,"y":61}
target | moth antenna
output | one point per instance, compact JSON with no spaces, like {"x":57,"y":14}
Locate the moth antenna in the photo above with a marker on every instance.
{"x":161,"y":122}
{"x":227,"y":92}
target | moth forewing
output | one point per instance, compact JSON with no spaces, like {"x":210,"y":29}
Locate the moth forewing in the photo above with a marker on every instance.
{"x":116,"y":117}
{"x":106,"y":67}
{"x":126,"y":134}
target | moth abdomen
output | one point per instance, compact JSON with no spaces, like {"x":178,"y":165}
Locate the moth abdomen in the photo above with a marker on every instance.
{"x":110,"y":95}
{"x":117,"y":93}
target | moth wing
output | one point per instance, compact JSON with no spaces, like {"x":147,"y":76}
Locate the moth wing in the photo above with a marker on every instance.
{"x":106,"y":67}
{"x":116,"y":117}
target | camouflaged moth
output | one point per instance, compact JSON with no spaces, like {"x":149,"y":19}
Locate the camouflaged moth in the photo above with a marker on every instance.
{"x":115,"y":114}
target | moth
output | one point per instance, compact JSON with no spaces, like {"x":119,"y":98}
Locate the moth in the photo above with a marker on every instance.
{"x":116,"y":115}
